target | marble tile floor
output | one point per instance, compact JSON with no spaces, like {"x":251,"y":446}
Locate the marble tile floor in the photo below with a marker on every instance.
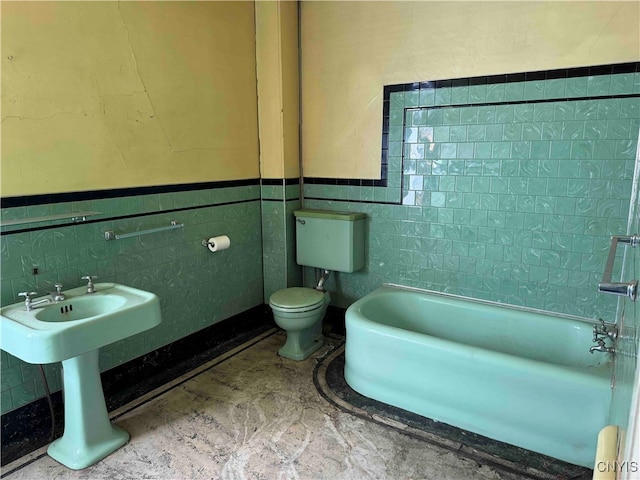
{"x":250,"y":414}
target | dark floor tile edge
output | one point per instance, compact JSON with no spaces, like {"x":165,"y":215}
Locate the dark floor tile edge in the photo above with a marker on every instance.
{"x":209,"y":364}
{"x":409,"y":424}
{"x":29,"y":427}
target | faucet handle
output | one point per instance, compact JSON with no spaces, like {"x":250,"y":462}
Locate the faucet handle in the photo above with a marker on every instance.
{"x":600,"y":328}
{"x":90,"y":286}
{"x":58,"y":296}
{"x":605,"y":330}
{"x":27,"y":295}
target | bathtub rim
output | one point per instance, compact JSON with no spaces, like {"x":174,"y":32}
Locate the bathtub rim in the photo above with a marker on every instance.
{"x":520,"y":308}
{"x":354,"y":317}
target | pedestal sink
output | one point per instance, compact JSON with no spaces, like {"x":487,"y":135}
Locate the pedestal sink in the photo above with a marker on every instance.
{"x":72,"y":332}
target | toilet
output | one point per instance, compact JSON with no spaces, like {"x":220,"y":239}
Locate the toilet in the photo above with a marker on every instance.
{"x":330,"y":241}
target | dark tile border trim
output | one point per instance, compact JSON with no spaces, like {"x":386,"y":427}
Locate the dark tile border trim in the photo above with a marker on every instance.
{"x":281,"y":200}
{"x":123,"y":217}
{"x":375,"y":202}
{"x":611,"y":69}
{"x":280,"y":181}
{"x":355,"y":182}
{"x":29,"y":427}
{"x":528,"y":102}
{"x":28,"y":200}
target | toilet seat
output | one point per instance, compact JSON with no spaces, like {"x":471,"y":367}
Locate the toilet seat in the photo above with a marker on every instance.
{"x":297,"y":299}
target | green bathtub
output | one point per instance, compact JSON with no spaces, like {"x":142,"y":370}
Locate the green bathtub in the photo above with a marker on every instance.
{"x":516,"y":375}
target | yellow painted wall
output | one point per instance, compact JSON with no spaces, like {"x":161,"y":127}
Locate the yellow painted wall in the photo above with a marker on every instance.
{"x":278,"y":93}
{"x":350,"y":50}
{"x":290,"y":88}
{"x":99,"y":95}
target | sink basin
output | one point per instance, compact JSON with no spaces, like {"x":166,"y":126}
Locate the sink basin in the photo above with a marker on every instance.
{"x":81,"y":308}
{"x":81,"y":323}
{"x":72,"y":331}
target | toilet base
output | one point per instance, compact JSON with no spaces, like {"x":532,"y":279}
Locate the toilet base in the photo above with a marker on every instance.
{"x":297,"y":349}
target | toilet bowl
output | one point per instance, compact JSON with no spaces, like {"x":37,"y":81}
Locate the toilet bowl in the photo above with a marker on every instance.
{"x":299,"y":311}
{"x":327,"y":240}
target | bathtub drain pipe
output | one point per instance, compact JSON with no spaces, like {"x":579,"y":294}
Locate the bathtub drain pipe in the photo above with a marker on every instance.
{"x":323,"y":278}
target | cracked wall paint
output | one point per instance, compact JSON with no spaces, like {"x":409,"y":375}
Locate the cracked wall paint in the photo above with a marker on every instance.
{"x":278,"y":93}
{"x":103,"y":95}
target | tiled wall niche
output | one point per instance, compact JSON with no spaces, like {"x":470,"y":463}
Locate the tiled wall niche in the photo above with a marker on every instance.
{"x":508,"y":187}
{"x":196,"y":287}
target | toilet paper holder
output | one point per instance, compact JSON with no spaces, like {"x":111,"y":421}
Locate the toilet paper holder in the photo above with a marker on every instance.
{"x":215,"y":244}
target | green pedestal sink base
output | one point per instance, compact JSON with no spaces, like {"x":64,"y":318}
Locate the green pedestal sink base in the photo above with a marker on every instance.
{"x":88,"y":436}
{"x":73,"y":331}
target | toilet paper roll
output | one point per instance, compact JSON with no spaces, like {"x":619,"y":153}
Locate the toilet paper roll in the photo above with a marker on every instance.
{"x":215,"y":244}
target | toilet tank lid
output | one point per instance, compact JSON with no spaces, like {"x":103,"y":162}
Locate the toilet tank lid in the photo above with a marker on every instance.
{"x":296,"y":297}
{"x":346,"y":216}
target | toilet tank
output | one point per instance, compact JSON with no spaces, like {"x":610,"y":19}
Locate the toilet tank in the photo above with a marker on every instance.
{"x":330,"y":240}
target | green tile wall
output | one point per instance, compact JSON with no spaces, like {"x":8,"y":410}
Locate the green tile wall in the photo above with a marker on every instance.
{"x":628,"y":320}
{"x":278,"y":238}
{"x":196,"y":288}
{"x":512,"y":202}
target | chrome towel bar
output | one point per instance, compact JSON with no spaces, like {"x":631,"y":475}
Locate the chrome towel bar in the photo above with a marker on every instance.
{"x":110,"y":235}
{"x":628,"y":289}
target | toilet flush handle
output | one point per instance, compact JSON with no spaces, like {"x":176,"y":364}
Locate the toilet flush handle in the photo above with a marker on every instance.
{"x":300,"y":221}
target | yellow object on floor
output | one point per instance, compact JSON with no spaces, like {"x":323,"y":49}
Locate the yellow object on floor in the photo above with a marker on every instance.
{"x":605,"y":466}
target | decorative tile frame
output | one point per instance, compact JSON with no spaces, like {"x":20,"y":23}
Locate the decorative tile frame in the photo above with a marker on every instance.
{"x":518,"y":214}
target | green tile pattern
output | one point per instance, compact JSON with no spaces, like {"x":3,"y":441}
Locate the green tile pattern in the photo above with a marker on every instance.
{"x":196,"y":288}
{"x":510,"y":202}
{"x":628,"y":320}
{"x":278,"y":238}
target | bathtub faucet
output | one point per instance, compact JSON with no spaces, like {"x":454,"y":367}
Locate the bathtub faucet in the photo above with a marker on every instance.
{"x":602,"y":348}
{"x":604,"y":330}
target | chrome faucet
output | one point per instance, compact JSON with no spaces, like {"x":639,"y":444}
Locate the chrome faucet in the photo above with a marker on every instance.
{"x":605,"y":330}
{"x":91,"y":288}
{"x":602,"y":348}
{"x":601,"y":332}
{"x":58,"y":296}
{"x":30,"y":304}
